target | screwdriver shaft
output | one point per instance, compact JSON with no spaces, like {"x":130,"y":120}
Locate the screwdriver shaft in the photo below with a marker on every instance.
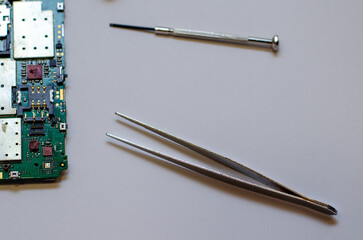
{"x":220,"y":37}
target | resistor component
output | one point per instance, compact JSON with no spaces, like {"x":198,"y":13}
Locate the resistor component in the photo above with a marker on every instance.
{"x":46,"y":70}
{"x":59,"y":61}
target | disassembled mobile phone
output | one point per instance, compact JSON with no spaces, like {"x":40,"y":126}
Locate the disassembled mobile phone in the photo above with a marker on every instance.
{"x":33,"y":122}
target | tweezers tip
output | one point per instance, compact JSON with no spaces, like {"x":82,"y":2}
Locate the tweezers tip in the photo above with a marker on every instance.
{"x":111,"y":135}
{"x":333,"y":210}
{"x":123,"y":116}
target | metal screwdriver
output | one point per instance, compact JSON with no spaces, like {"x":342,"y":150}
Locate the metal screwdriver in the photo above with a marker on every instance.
{"x":272,"y":43}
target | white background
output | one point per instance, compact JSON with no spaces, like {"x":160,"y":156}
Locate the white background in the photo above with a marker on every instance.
{"x":295,"y":116}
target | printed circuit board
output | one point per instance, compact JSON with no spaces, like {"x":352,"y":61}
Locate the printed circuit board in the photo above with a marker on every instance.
{"x":33,"y":123}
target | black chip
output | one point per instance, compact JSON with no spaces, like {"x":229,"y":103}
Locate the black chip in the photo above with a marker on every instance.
{"x":54,"y":120}
{"x":6,"y":167}
{"x":58,"y":46}
{"x":52,"y":63}
{"x":36,"y":130}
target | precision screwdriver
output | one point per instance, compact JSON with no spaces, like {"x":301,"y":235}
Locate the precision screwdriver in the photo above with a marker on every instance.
{"x":272,"y":43}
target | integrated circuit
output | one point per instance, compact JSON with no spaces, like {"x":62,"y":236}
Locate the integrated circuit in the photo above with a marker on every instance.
{"x":34,"y":72}
{"x":34,"y":145}
{"x":47,"y":151}
{"x":33,"y":122}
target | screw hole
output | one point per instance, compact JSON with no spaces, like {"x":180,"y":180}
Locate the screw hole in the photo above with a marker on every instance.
{"x":17,"y":144}
{"x":35,"y":48}
{"x":45,"y":19}
{"x":24,"y":48}
{"x":17,"y":154}
{"x":34,"y":19}
{"x":2,"y":108}
{"x":16,"y":133}
{"x":2,"y":85}
{"x":2,"y":64}
{"x":23,"y":19}
{"x":46,"y":47}
{"x":6,"y":155}
{"x":36,"y":164}
{"x":46,"y":36}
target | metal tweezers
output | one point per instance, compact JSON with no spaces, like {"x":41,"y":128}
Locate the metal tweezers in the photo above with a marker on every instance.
{"x":272,"y":189}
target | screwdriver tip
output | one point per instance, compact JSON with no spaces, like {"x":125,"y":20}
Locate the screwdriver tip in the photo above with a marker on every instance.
{"x":122,"y":115}
{"x":149,"y":29}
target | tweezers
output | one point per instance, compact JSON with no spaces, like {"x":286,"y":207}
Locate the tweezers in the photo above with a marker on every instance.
{"x":272,"y":188}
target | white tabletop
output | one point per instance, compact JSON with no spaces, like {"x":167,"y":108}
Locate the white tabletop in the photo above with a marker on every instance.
{"x":295,"y":116}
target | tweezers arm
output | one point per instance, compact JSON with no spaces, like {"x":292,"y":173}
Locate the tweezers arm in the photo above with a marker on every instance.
{"x":276,"y":189}
{"x":216,"y":157}
{"x":317,"y":206}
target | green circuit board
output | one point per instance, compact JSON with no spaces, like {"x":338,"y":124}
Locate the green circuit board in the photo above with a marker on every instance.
{"x":33,"y":124}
